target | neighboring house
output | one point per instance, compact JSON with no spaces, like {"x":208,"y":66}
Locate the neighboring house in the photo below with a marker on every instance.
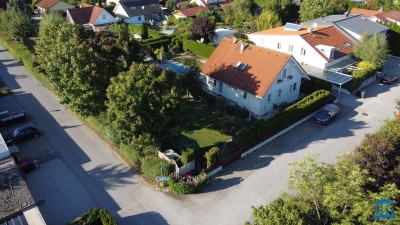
{"x":318,"y":46}
{"x":138,"y":11}
{"x":206,"y":3}
{"x":392,"y":16}
{"x":222,"y":33}
{"x":53,"y":6}
{"x":353,"y":26}
{"x":253,"y":77}
{"x":366,"y":13}
{"x":90,"y":16}
{"x":189,"y":12}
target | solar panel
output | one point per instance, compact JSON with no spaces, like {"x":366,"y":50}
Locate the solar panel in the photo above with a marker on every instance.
{"x":292,"y":26}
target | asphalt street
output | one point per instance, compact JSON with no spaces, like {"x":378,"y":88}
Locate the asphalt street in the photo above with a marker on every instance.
{"x":82,"y":172}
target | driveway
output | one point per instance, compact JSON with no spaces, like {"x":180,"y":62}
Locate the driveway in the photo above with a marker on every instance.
{"x":82,"y":171}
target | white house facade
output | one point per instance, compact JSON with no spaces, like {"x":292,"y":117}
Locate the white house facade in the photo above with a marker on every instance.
{"x":90,"y":16}
{"x":315,"y":46}
{"x":254,"y":78}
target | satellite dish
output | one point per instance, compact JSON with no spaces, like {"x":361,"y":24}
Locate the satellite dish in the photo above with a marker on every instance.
{"x":315,"y":25}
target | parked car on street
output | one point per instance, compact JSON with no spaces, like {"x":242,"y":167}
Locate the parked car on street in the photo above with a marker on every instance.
{"x":21,"y":134}
{"x":327,"y":114}
{"x":389,"y":79}
{"x":8,"y":118}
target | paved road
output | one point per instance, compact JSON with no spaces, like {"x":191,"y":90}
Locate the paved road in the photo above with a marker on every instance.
{"x":93,"y":176}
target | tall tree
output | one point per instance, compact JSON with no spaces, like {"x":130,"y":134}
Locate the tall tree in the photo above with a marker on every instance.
{"x":50,"y":19}
{"x":145,"y":31}
{"x":18,"y":5}
{"x":17,"y":23}
{"x":285,"y":9}
{"x":202,"y":28}
{"x":240,"y":15}
{"x":143,"y":100}
{"x":267,"y":20}
{"x":372,"y":49}
{"x":170,"y":5}
{"x":312,"y":9}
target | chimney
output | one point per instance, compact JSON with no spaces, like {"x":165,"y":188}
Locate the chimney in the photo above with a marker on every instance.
{"x":346,"y":14}
{"x":143,"y":7}
{"x":310,"y":30}
{"x":241,"y":47}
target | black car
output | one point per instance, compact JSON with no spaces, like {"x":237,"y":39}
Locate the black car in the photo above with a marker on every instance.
{"x":389,"y":79}
{"x":8,"y":118}
{"x":22,"y":133}
{"x":327,"y":114}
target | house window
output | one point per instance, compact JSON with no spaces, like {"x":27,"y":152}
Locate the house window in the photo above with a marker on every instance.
{"x":290,"y":48}
{"x":269,"y":97}
{"x":103,"y":17}
{"x":294,"y":86}
{"x":139,"y":18}
{"x":284,"y":73}
{"x":221,"y":86}
{"x":279,"y":45}
{"x":214,"y":82}
{"x":291,"y":88}
{"x":279,"y":92}
{"x":244,"y":95}
{"x":303,"y":51}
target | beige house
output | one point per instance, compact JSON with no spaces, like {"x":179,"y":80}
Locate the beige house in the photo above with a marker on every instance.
{"x":53,"y":6}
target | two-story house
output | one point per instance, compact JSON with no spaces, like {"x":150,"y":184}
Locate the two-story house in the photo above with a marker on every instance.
{"x":137,"y":12}
{"x":253,"y":77}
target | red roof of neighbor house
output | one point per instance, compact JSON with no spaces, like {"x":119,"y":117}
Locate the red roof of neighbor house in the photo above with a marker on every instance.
{"x":264,"y":65}
{"x":367,"y":13}
{"x":281,"y":30}
{"x":329,"y":36}
{"x":392,"y":14}
{"x":191,"y":12}
{"x":87,"y":14}
{"x":46,"y":4}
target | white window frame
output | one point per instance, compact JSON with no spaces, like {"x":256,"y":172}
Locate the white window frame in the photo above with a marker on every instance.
{"x":284,"y":73}
{"x":290,"y":48}
{"x":279,"y":45}
{"x":303,"y":51}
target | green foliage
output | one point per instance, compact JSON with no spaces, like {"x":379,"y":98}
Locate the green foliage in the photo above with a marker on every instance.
{"x":80,"y":63}
{"x":379,"y":153}
{"x":213,"y":156}
{"x":19,"y":5}
{"x":135,"y":29}
{"x":314,"y":84}
{"x":170,"y":5}
{"x":95,"y":216}
{"x":18,"y":24}
{"x":239,"y":15}
{"x":267,"y":20}
{"x":141,"y":146}
{"x":17,"y":49}
{"x":188,"y":155}
{"x":153,"y":166}
{"x":50,"y":19}
{"x":366,"y":71}
{"x":177,"y":186}
{"x":266,"y":128}
{"x":312,"y":9}
{"x":143,"y":100}
{"x":199,"y":49}
{"x":373,"y":49}
{"x":285,"y":9}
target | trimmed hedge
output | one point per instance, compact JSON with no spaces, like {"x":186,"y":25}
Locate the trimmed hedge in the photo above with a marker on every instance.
{"x":359,"y":76}
{"x":264,"y":129}
{"x":213,"y":156}
{"x":17,"y":49}
{"x":95,"y":216}
{"x":200,"y":49}
{"x":152,"y":166}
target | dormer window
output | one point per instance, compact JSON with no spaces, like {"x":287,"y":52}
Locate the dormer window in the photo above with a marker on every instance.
{"x":347,"y":44}
{"x":284,"y":73}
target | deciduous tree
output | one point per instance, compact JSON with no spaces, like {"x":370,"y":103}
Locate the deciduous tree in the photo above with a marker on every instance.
{"x":202,"y":28}
{"x":312,"y":9}
{"x":170,"y":5}
{"x":267,"y":20}
{"x":373,"y":49}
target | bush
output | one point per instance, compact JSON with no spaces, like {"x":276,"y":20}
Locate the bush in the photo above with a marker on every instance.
{"x":153,"y":166}
{"x":188,"y":155}
{"x":201,"y":50}
{"x":366,"y":71}
{"x":267,"y":128}
{"x":95,"y":217}
{"x":213,"y":157}
{"x":178,"y":186}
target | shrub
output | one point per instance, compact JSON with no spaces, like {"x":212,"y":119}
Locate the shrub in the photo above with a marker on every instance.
{"x":188,"y":155}
{"x":153,"y":166}
{"x":266,"y":128}
{"x":95,"y":217}
{"x":212,"y":156}
{"x":201,"y":50}
{"x":366,"y":71}
{"x":178,"y":186}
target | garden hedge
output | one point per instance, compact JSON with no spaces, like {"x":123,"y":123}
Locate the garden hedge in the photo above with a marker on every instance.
{"x":200,"y":49}
{"x":359,"y":76}
{"x":153,"y":165}
{"x":264,"y":129}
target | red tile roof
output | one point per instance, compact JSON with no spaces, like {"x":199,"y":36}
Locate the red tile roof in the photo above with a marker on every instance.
{"x":46,"y":4}
{"x":87,"y":14}
{"x":392,"y":14}
{"x":264,"y":65}
{"x":191,"y":12}
{"x":329,"y":36}
{"x":281,"y":30}
{"x":367,"y":13}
